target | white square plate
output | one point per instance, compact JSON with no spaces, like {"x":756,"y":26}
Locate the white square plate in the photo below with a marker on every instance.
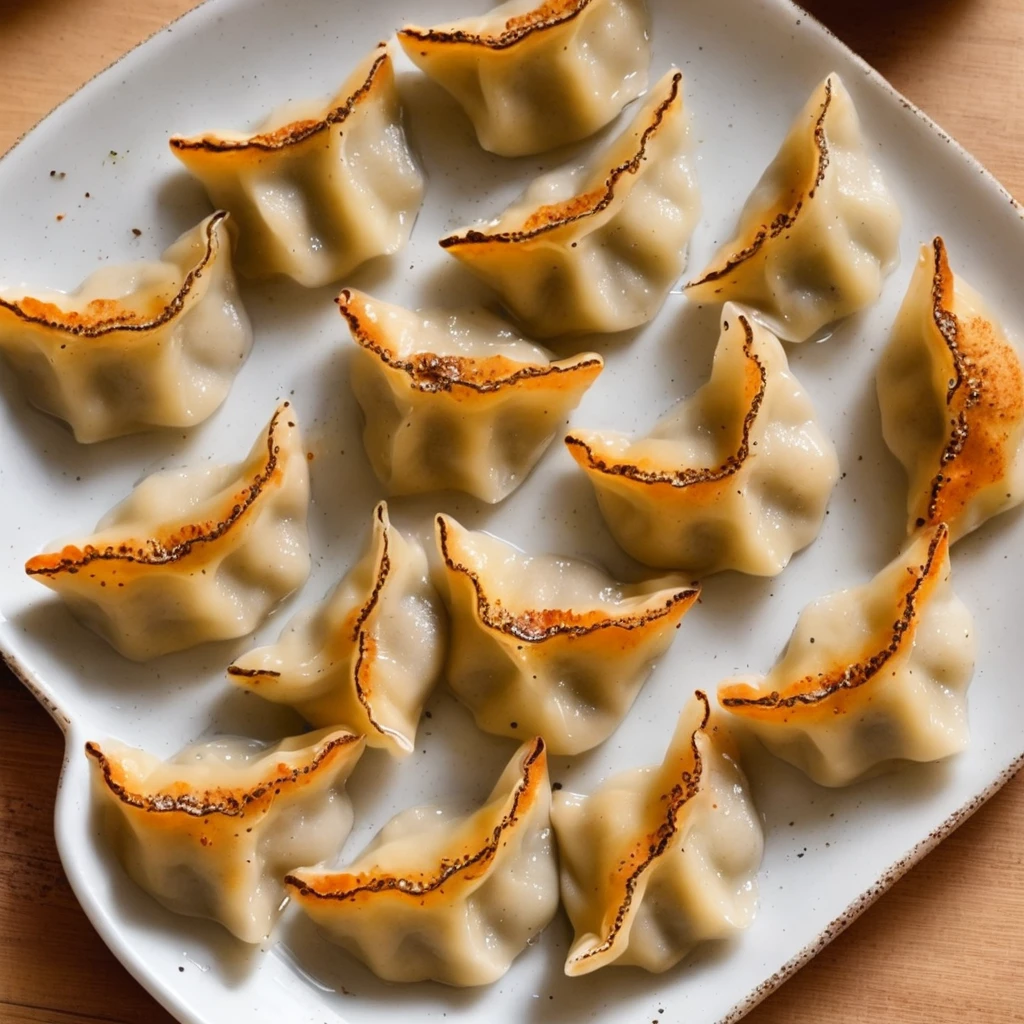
{"x":749,"y":66}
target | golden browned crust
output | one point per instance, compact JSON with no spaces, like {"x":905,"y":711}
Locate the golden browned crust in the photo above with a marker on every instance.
{"x":631,"y":867}
{"x":786,"y":218}
{"x":360,"y":637}
{"x":550,"y":14}
{"x":984,"y":401}
{"x":536,"y":626}
{"x":177,"y":545}
{"x":252,"y":673}
{"x":820,"y":686}
{"x":289,"y":134}
{"x":343,"y":886}
{"x":558,"y":215}
{"x":434,"y":374}
{"x":104,"y":316}
{"x":226,"y":802}
{"x":756,"y":384}
{"x":366,"y":643}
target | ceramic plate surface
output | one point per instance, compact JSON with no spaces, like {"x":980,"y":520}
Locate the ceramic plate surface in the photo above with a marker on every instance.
{"x":749,"y":66}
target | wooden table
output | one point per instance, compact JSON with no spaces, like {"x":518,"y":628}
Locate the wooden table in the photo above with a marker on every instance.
{"x":946,"y":944}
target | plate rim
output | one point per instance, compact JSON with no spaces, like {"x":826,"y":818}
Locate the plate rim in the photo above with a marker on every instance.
{"x":105,"y":925}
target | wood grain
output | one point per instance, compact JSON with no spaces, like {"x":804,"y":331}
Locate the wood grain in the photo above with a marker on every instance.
{"x":945,"y":945}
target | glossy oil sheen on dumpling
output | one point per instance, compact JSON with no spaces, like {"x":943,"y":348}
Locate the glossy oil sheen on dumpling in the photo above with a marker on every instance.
{"x":317,"y":191}
{"x":149,"y":344}
{"x":951,"y":390}
{"x":456,"y":400}
{"x":368,"y":657}
{"x":871,"y":676}
{"x":660,"y":859}
{"x":736,"y":477}
{"x":447,"y":898}
{"x":820,"y":231}
{"x":550,"y":645}
{"x":596,"y":248}
{"x":533,"y":76}
{"x":192,"y":555}
{"x":212,"y":832}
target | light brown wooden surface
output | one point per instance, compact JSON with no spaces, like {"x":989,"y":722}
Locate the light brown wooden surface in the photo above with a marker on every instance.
{"x":946,"y":944}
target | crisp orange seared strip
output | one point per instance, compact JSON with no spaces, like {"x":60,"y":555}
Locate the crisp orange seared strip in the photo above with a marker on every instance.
{"x":538,"y":625}
{"x":464,"y":864}
{"x":984,"y":401}
{"x":550,"y":14}
{"x":483,"y":375}
{"x":175,"y":543}
{"x":776,"y":220}
{"x":682,"y":774}
{"x":700,"y":482}
{"x":833,"y":686}
{"x":286,"y":135}
{"x":183,"y":796}
{"x":579,"y":207}
{"x":104,"y":316}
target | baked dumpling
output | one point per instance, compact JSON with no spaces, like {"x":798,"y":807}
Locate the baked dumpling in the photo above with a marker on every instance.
{"x":596,"y":248}
{"x":534,"y":75}
{"x":366,"y":658}
{"x":951,"y":390}
{"x":660,"y":859}
{"x":446,"y":898}
{"x":456,"y":400}
{"x":819,"y":233}
{"x":317,"y":191}
{"x":211,"y":832}
{"x":149,"y":344}
{"x":550,"y":645}
{"x":192,"y":555}
{"x":871,"y":676}
{"x":735,"y":477}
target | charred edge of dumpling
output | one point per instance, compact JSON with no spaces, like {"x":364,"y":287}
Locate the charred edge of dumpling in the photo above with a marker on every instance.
{"x":684,"y":478}
{"x":550,"y":14}
{"x":433,"y":373}
{"x":786,"y":218}
{"x":365,"y":645}
{"x":534,"y":765}
{"x":231,"y":805}
{"x":383,"y":570}
{"x":948,"y":326}
{"x":252,"y":673}
{"x":562,"y":214}
{"x":660,"y":841}
{"x":289,"y":134}
{"x":126,"y":321}
{"x":156,"y":552}
{"x":538,"y":626}
{"x":861,"y":673}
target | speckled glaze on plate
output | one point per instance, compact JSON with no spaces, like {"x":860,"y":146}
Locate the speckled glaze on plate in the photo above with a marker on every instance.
{"x":749,"y":67}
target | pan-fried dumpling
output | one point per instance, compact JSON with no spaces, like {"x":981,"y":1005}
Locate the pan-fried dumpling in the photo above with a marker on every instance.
{"x":368,"y":657}
{"x":596,"y":248}
{"x":820,"y":231}
{"x":456,"y":400}
{"x":535,"y":75}
{"x":317,"y":191}
{"x":550,"y":645}
{"x":150,"y":344}
{"x":192,"y":555}
{"x":211,"y":832}
{"x":871,"y":676}
{"x":660,"y":859}
{"x":951,"y":390}
{"x":441,"y":897}
{"x":736,"y":477}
